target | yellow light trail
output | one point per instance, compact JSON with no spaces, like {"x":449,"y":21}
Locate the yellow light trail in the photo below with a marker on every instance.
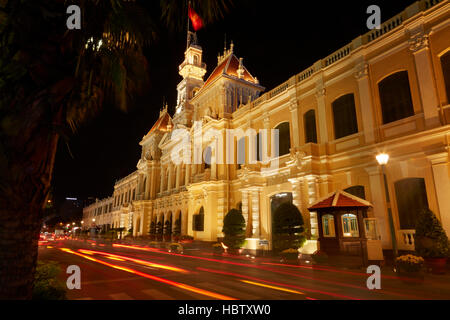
{"x":148,"y":276}
{"x":143,"y":262}
{"x":114,"y":258}
{"x":272,"y":287}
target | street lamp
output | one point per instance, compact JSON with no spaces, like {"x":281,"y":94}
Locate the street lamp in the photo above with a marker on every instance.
{"x":382,"y":160}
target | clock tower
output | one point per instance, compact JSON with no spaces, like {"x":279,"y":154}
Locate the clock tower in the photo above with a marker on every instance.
{"x":192,"y":70}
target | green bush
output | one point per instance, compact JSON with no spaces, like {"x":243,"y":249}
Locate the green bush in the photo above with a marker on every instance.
{"x":177,"y":227}
{"x":47,"y":286}
{"x":288,"y":228}
{"x":234,"y":229}
{"x":430,"y":238}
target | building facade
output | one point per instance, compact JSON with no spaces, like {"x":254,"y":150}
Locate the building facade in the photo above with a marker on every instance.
{"x":386,"y":91}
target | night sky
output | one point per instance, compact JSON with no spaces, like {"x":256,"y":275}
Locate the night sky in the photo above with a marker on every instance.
{"x":277,"y":40}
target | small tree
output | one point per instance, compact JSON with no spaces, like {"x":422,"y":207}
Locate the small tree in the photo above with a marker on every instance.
{"x":234,"y":229}
{"x":288,"y":228}
{"x":430,"y":238}
{"x":177,"y":228}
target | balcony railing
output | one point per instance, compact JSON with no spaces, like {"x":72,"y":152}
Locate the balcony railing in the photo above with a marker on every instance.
{"x":405,"y":239}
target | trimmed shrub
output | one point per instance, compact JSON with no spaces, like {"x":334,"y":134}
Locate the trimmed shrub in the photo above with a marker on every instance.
{"x":234,"y":229}
{"x":47,"y":286}
{"x":177,"y":227}
{"x":288,"y":228}
{"x":430,"y":238}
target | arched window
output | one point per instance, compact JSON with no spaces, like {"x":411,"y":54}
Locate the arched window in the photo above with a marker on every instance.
{"x":196,"y":60}
{"x":357,"y":191}
{"x":207,"y":153}
{"x":411,"y":195}
{"x":395,"y":97}
{"x":309,"y":120}
{"x":198,"y":220}
{"x":344,"y":116}
{"x":350,"y":225}
{"x":284,"y":138}
{"x":445,"y":63}
{"x":328,"y":226}
{"x":241,"y":152}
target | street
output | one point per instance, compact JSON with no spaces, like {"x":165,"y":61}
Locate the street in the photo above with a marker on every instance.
{"x":137,"y":272}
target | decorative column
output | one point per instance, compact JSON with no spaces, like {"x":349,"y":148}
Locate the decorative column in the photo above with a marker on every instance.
{"x":293,"y":108}
{"x":266,"y":147}
{"x":421,"y":51}
{"x":441,"y":174}
{"x":187,"y":174}
{"x":147,"y":187}
{"x":245,"y":205}
{"x":321,"y":111}
{"x":139,"y":187}
{"x":255,"y":214}
{"x":161,"y":185}
{"x":379,"y":204}
{"x":153,"y":181}
{"x":178,"y":177}
{"x":170,"y":178}
{"x":365,"y":97}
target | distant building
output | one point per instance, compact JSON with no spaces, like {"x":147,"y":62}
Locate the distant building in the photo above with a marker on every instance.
{"x":387,"y":90}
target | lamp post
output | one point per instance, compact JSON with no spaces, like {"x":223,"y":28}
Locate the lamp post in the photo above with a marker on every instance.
{"x":383,"y":159}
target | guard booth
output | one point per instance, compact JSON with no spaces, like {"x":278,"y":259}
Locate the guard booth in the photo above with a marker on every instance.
{"x":346,"y":233}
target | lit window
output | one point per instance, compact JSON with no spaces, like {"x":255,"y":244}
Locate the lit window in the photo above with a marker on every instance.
{"x":350,"y":225}
{"x":328,"y":226}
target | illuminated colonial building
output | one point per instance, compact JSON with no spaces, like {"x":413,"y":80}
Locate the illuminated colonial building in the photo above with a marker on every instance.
{"x":386,"y":91}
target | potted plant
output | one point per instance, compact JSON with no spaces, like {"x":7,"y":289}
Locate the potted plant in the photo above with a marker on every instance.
{"x":288,"y":228}
{"x":290,"y":256}
{"x":159,"y":231}
{"x":186,"y":239}
{"x":177,"y":230}
{"x":167,"y":231}
{"x":410,"y":266}
{"x":152,"y":231}
{"x":234,"y":231}
{"x":431,"y":242}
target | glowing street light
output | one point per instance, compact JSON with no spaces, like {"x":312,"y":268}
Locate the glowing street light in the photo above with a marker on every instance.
{"x":382,"y":160}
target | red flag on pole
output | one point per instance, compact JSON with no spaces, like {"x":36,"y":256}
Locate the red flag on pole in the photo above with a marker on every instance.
{"x":197,"y":22}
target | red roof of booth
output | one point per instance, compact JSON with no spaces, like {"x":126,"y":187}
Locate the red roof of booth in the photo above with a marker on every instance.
{"x":339,"y":199}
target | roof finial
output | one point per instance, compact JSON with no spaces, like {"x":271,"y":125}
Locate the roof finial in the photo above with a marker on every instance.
{"x":225,"y":44}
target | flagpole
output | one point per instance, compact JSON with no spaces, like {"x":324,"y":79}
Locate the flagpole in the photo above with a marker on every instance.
{"x":188,"y":3}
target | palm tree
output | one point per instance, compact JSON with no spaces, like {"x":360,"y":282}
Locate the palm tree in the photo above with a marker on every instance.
{"x":53,"y":79}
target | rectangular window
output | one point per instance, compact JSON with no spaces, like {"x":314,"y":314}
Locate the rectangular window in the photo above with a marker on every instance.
{"x":328,"y":228}
{"x":310,"y":127}
{"x":344,"y":116}
{"x":350,"y":225}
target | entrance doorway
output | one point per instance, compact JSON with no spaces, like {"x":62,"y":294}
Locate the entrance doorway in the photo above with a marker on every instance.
{"x":275,"y":201}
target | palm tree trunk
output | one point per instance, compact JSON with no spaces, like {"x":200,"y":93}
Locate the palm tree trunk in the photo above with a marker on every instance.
{"x":24,"y":187}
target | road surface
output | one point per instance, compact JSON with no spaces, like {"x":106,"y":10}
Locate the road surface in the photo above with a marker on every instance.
{"x":132,"y":272}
